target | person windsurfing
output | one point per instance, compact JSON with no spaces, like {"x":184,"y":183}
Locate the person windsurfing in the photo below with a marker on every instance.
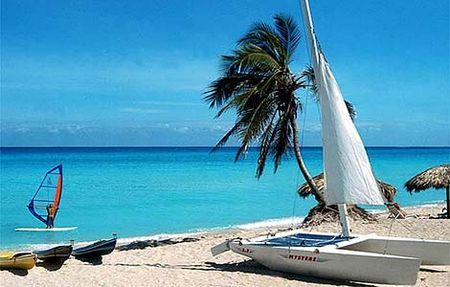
{"x":50,"y":215}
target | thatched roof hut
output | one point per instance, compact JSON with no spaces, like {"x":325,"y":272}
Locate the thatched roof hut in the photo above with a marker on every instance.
{"x":436,"y":177}
{"x":305,"y":190}
{"x":322,"y":213}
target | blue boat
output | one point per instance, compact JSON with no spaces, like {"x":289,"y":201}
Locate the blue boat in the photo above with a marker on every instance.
{"x":96,"y":249}
{"x":60,"y":253}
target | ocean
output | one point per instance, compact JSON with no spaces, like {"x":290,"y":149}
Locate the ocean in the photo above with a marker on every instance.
{"x":137,"y":192}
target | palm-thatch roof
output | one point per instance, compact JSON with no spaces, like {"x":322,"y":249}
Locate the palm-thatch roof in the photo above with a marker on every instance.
{"x":436,"y":177}
{"x":305,"y":190}
{"x":322,"y":213}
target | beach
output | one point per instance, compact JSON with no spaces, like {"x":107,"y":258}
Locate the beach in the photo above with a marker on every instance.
{"x":190,"y":263}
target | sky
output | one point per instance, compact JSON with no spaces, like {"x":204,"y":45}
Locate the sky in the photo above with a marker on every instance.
{"x":133,"y":73}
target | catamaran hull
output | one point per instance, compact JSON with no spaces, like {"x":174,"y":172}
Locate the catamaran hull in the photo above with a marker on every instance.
{"x":430,"y":252}
{"x":333,"y":264}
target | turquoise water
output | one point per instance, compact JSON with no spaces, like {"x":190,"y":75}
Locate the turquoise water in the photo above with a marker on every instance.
{"x":145,"y":191}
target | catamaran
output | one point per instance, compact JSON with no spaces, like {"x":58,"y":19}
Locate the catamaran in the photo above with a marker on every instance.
{"x":348,"y":180}
{"x":44,"y":204}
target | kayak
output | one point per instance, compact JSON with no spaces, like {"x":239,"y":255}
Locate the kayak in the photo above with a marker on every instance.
{"x":56,"y":253}
{"x":96,"y":249}
{"x":23,"y":260}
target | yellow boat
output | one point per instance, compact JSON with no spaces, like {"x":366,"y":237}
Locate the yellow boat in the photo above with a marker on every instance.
{"x":22,"y":260}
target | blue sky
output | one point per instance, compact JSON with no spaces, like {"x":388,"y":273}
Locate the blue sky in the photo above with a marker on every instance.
{"x":133,"y":72}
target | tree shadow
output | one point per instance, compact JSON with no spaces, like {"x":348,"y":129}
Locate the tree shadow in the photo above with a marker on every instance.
{"x":17,"y":272}
{"x":51,"y":265}
{"x":93,"y":260}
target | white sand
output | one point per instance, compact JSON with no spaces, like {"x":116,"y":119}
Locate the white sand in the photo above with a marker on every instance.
{"x":191,"y":264}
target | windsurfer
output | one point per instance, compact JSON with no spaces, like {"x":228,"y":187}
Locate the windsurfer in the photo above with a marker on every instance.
{"x":50,"y":215}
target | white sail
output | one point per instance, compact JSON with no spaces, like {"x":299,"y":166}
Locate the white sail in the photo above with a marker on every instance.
{"x":348,"y":174}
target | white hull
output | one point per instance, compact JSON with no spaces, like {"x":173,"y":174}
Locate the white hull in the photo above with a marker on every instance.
{"x":360,"y":258}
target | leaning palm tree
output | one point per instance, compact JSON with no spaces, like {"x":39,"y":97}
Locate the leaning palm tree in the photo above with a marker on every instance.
{"x":258,"y":84}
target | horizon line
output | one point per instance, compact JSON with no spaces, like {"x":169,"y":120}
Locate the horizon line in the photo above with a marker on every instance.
{"x":212,"y":146}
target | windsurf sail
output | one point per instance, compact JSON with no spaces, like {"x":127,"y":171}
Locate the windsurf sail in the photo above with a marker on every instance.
{"x":47,"y":197}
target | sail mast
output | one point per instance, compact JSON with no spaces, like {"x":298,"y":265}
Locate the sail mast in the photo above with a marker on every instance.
{"x":314,"y":51}
{"x":348,"y":174}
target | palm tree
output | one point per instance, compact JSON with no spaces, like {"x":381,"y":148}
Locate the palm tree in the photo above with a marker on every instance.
{"x":259,"y":85}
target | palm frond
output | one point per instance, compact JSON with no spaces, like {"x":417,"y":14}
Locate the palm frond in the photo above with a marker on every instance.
{"x":283,"y":138}
{"x":289,"y":34}
{"x":225,"y":138}
{"x":257,"y":84}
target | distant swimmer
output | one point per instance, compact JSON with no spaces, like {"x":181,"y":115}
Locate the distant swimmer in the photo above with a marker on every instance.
{"x":50,"y":215}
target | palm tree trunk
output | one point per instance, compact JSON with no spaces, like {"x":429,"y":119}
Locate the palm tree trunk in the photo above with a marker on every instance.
{"x":301,"y":163}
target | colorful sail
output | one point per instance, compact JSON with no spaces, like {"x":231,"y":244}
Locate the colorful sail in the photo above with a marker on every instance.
{"x":46,"y":199}
{"x":348,"y":173}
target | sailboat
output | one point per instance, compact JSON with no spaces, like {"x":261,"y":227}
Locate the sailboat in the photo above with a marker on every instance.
{"x":47,"y":195}
{"x":349,"y":180}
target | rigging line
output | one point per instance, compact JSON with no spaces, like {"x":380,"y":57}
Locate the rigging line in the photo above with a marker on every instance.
{"x":298,"y":173}
{"x":293,"y":210}
{"x":389,"y":233}
{"x":304,"y":120}
{"x":410,"y":230}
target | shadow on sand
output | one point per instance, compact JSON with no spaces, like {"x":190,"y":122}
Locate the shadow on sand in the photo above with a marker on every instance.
{"x":248,"y":266}
{"x":251,"y":266}
{"x":17,"y":272}
{"x":52,"y":265}
{"x":95,"y":260}
{"x":429,"y":270}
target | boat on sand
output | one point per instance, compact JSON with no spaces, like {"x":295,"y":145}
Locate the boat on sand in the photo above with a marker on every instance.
{"x":22,"y":260}
{"x":348,"y":180}
{"x":96,"y":249}
{"x":60,"y":253}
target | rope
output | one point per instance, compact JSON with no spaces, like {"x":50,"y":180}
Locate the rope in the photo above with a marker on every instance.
{"x":304,"y":121}
{"x":411,"y":230}
{"x":293,"y":210}
{"x":298,"y":173}
{"x":395,"y":219}
{"x":389,"y":233}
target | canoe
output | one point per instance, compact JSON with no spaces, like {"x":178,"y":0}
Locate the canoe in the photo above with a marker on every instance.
{"x":56,"y":253}
{"x":96,"y":249}
{"x":22,"y":260}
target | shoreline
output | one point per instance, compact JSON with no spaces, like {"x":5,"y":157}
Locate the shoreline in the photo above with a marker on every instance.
{"x":267,"y":225}
{"x":188,"y":262}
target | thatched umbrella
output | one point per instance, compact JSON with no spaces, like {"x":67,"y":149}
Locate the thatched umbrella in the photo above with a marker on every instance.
{"x":322,"y":213}
{"x":436,"y":177}
{"x":305,"y":190}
